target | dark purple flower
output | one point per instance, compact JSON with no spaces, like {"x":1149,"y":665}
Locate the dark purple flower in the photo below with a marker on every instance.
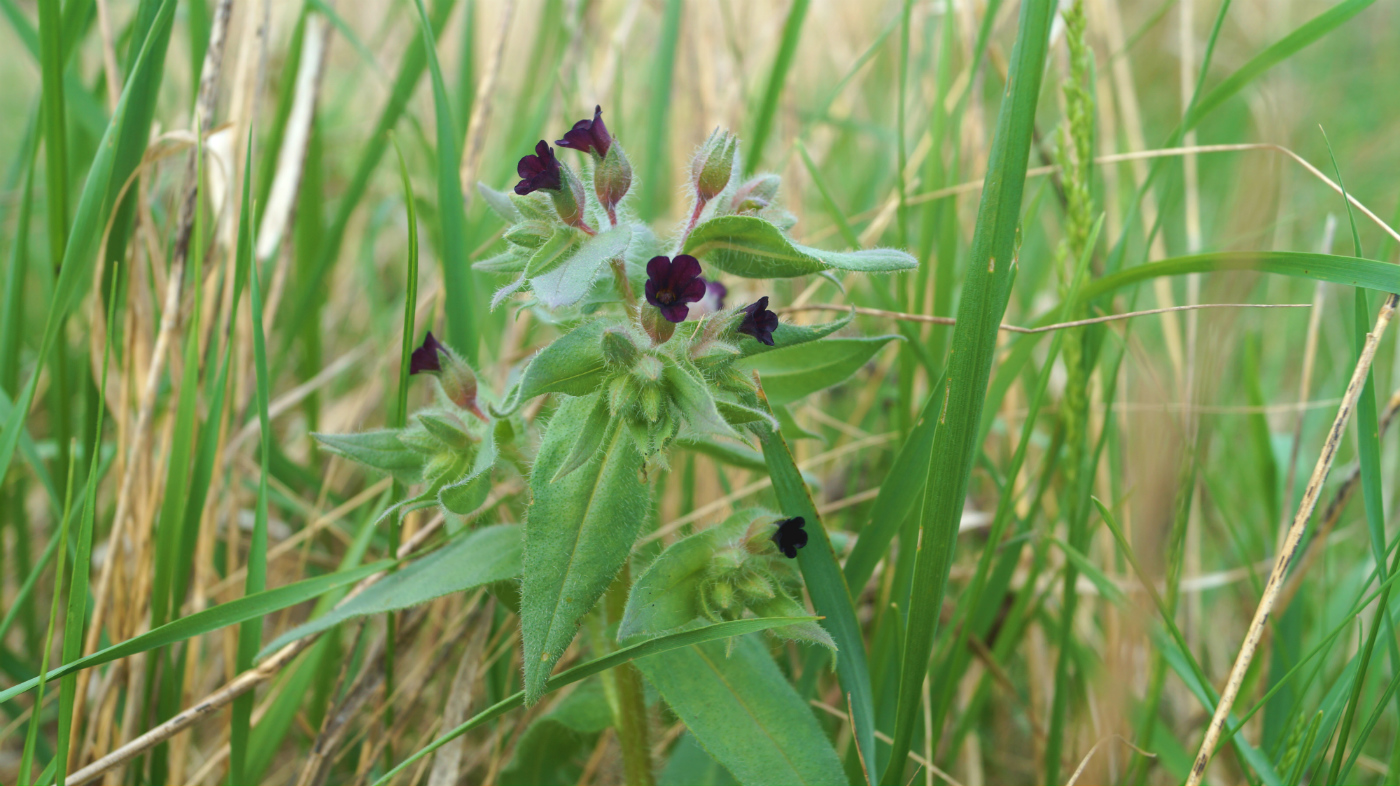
{"x":540,"y":170}
{"x":588,"y":136}
{"x":426,"y":358}
{"x":671,"y":284}
{"x":790,"y":536}
{"x":759,"y":322}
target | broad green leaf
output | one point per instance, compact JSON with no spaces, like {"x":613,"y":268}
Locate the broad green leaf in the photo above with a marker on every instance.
{"x":486,"y":555}
{"x":690,"y":765}
{"x":751,"y":247}
{"x":578,"y":533}
{"x":569,"y":280}
{"x":627,"y":654}
{"x":381,"y":450}
{"x":666,"y":596}
{"x":791,"y":373}
{"x":573,"y":364}
{"x":744,"y":713}
{"x":590,"y":437}
{"x":221,"y":616}
{"x":544,"y":756}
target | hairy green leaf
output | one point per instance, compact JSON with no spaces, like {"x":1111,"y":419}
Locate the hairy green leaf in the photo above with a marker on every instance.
{"x":381,"y":450}
{"x":568,"y":280}
{"x":751,"y":247}
{"x":744,"y":713}
{"x":791,"y":373}
{"x":578,"y":533}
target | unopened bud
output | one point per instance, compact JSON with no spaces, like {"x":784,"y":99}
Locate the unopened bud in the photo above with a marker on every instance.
{"x":612,"y":177}
{"x":456,"y":377}
{"x":568,"y":200}
{"x":619,"y":349}
{"x":714,"y":164}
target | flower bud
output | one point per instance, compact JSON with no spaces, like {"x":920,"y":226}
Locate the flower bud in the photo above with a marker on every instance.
{"x":648,"y":370}
{"x":756,"y":194}
{"x":714,"y":164}
{"x":457,"y":379}
{"x":612,"y":178}
{"x":568,"y":200}
{"x":721,"y":595}
{"x":619,"y":349}
{"x":651,"y":400}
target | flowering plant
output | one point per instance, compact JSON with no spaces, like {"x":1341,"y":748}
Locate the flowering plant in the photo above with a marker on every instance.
{"x":651,"y":357}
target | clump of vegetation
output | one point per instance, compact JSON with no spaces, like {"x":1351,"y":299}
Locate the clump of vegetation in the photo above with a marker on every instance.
{"x":931,"y":429}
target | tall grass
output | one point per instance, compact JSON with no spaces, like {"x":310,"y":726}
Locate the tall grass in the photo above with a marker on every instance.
{"x":1039,"y":553}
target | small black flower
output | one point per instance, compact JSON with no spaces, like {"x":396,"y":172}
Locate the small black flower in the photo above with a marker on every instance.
{"x":540,"y":170}
{"x":759,"y":322}
{"x":588,"y":136}
{"x":671,"y":284}
{"x":427,"y":357}
{"x":790,"y":536}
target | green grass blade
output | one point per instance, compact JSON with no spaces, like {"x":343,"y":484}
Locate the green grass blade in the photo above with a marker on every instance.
{"x":250,"y":633}
{"x":1349,"y":271}
{"x":827,"y":585}
{"x":248,"y":607}
{"x":456,"y":271}
{"x":656,"y":187}
{"x":415,"y":59}
{"x":73,"y":627}
{"x":88,"y":219}
{"x":768,"y":105}
{"x":36,"y":718}
{"x":983,"y":301}
{"x":667,"y":643}
{"x":1276,"y":53}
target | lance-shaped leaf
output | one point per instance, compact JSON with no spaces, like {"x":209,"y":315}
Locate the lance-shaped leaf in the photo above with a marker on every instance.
{"x":486,"y":555}
{"x":573,"y":364}
{"x":744,"y":713}
{"x":590,"y":438}
{"x":578,"y":533}
{"x":568,"y":280}
{"x":791,"y":373}
{"x":381,"y":450}
{"x":751,"y":247}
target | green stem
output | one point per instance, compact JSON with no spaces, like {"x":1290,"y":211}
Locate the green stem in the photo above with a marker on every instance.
{"x":631,"y":708}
